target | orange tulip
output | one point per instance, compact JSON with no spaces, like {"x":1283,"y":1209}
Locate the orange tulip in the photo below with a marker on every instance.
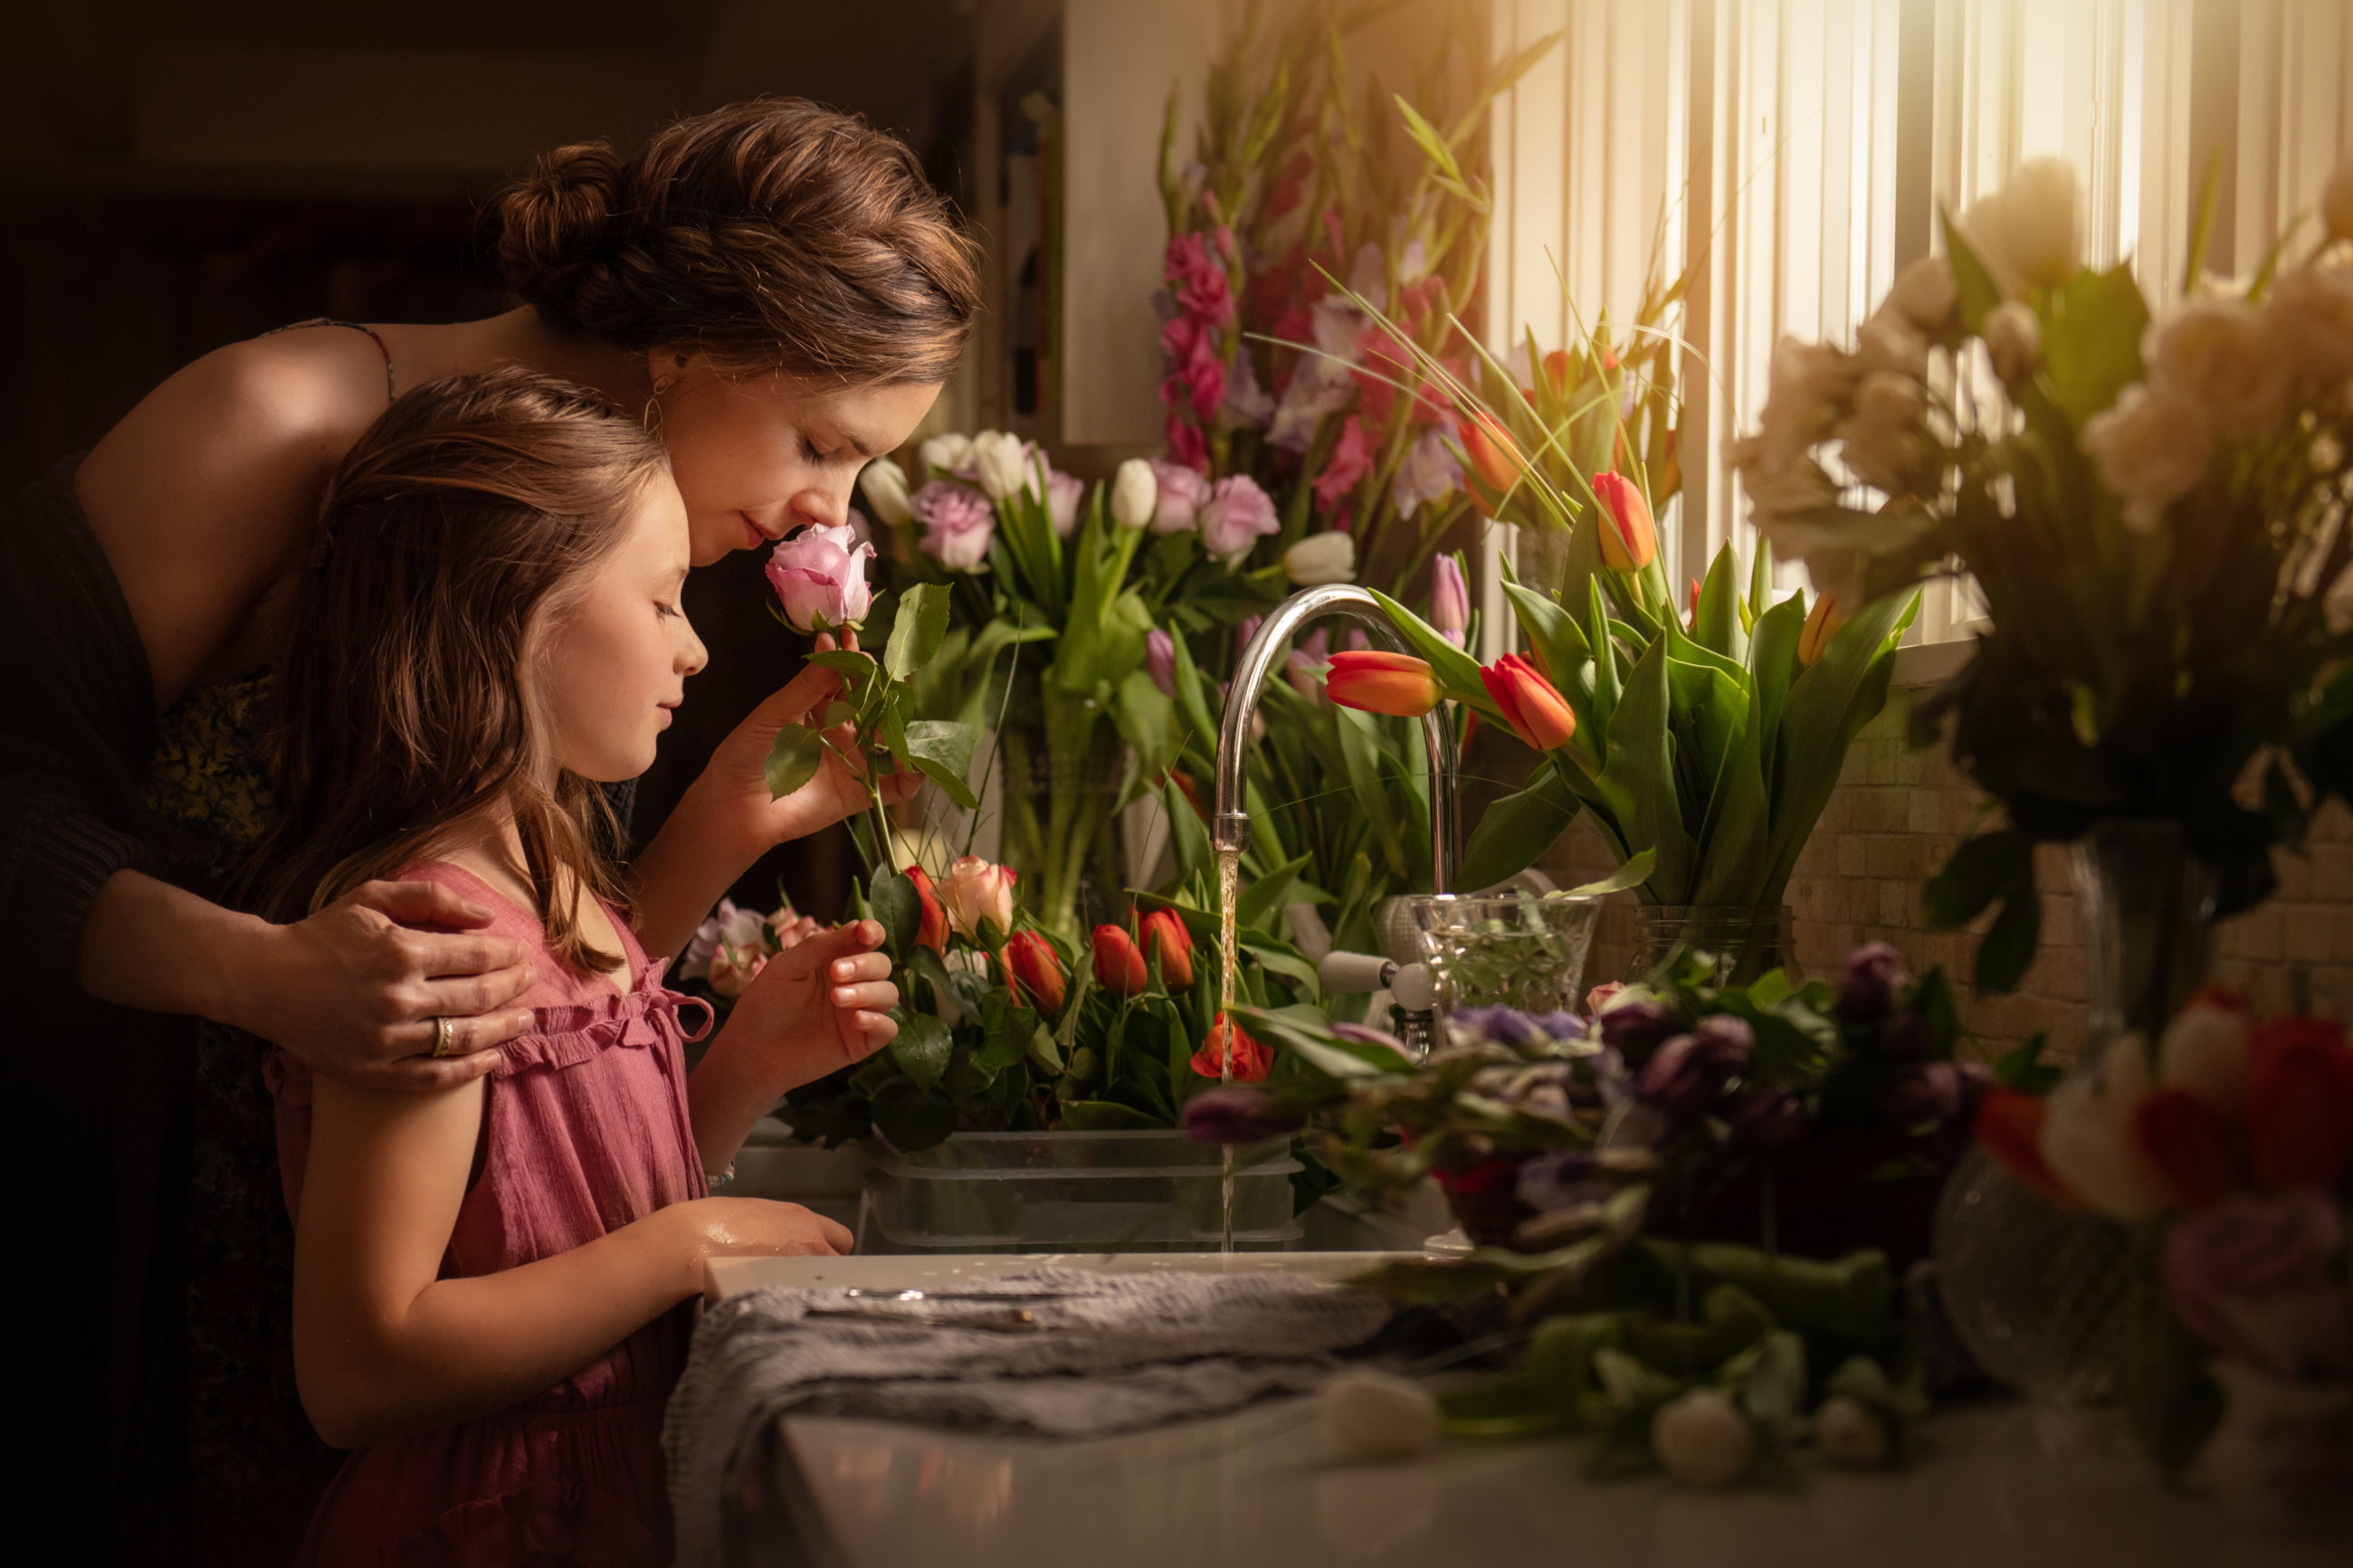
{"x":2299,"y":1103}
{"x":933,"y":931}
{"x":1034,"y":972}
{"x":1495,"y":457}
{"x":1119,"y":963}
{"x":1374,"y":681}
{"x":1163,"y":932}
{"x":1630,"y":541}
{"x":1821,"y":623}
{"x":1555,"y":368}
{"x":1535,"y":710}
{"x":1249,"y":1061}
{"x":2009,"y":1125}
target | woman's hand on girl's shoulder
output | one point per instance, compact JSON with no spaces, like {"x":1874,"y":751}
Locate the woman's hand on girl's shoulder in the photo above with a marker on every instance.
{"x":354,"y":991}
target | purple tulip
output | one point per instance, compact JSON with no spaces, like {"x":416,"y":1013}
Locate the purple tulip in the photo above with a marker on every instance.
{"x":1239,"y":1114}
{"x":1768,"y":1116}
{"x":1683,"y":1076}
{"x":1160,"y":660}
{"x":1450,"y":600}
{"x":1062,"y":494}
{"x":819,"y":578}
{"x":2250,"y":1276}
{"x":1866,"y":990}
{"x":1635,"y":1029}
{"x":1247,"y":629}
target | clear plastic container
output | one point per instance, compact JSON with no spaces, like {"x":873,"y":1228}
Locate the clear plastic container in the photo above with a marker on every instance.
{"x":1074,"y":1192}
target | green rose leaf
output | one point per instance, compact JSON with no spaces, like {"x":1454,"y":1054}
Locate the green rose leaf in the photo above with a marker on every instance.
{"x":916,"y":634}
{"x":943,"y":749}
{"x":896,"y":903}
{"x":921,"y":1050}
{"x":794,"y":757}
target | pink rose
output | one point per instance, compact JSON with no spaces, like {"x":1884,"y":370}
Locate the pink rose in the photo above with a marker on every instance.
{"x":2250,"y":1276}
{"x":1237,"y":514}
{"x":1182,"y":492}
{"x":958,"y":524}
{"x":820,"y":580}
{"x":976,"y":890}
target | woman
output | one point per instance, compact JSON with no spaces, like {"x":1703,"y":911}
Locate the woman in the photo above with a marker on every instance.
{"x":773,"y":289}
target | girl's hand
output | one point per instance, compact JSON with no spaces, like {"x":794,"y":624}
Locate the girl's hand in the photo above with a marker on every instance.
{"x":820,"y":1005}
{"x":733,"y":789}
{"x":754,"y":1227}
{"x":353,"y":991}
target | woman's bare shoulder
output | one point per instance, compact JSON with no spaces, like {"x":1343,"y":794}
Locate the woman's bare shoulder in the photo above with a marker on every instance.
{"x":203,"y":493}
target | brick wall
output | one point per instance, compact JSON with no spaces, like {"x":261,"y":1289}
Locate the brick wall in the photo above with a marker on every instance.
{"x":1896,"y":815}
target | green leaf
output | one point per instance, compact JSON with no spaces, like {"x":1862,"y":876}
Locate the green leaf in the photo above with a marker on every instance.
{"x":1639,"y":779}
{"x":2090,"y":341}
{"x":1632,"y":874}
{"x":793,"y":758}
{"x":1006,"y":1029}
{"x":1717,"y":628}
{"x":943,"y":749}
{"x":1827,"y":705}
{"x":843,"y":661}
{"x":922,"y":1048}
{"x":1516,"y":829}
{"x":1982,"y":869}
{"x":911,"y":1118}
{"x":2008,"y":946}
{"x":1105,"y":1115}
{"x":915,"y":633}
{"x":892,"y":897}
{"x":1456,"y":671}
{"x":2022,"y":1068}
{"x":1264,"y":897}
{"x":1977,"y":291}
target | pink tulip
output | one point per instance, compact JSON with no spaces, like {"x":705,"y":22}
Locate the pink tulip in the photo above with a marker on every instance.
{"x":1062,"y":494}
{"x":1450,"y":600}
{"x":821,"y":578}
{"x":1160,"y":660}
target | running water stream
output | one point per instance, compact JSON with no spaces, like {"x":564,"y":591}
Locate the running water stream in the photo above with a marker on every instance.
{"x":1228,"y":959}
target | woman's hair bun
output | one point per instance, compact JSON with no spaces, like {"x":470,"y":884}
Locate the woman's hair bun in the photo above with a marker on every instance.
{"x":559,"y":220}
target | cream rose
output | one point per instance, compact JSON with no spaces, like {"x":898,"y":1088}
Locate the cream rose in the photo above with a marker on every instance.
{"x":2311,"y":316}
{"x":2222,"y":354}
{"x":2149,"y":449}
{"x":2013,"y":340}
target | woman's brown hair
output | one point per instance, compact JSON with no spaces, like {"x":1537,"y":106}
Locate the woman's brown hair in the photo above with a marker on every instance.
{"x":775,"y":235}
{"x":465,"y":518}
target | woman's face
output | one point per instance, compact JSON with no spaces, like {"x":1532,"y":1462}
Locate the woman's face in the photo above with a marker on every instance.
{"x":614,"y":661}
{"x":756,"y":456}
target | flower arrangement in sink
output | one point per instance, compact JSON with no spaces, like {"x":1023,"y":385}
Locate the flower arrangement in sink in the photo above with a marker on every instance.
{"x":2226,"y":1148}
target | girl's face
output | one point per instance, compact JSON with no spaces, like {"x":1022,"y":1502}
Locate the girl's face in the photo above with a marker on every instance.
{"x":614,"y":662}
{"x":755,"y":457}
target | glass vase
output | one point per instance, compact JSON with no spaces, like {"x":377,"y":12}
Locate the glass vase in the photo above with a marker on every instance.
{"x":1061,"y":828}
{"x":1515,"y":950}
{"x":2039,"y":1295}
{"x":1741,"y":941}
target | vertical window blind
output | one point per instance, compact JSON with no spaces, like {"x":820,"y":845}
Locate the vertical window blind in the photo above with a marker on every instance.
{"x":1795,"y":154}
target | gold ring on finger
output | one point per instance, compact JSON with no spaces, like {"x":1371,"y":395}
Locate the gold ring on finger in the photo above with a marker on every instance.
{"x":445,"y":1037}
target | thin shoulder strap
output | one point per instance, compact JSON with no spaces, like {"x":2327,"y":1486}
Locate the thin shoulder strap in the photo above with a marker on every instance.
{"x":390,"y":390}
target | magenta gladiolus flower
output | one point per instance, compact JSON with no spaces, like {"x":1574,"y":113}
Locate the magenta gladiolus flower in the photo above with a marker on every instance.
{"x":820,"y":578}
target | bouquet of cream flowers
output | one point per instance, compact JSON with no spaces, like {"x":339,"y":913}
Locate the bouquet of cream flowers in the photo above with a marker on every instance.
{"x":2152,"y":505}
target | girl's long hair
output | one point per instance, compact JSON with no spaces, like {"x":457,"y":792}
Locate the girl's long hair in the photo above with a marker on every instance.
{"x":467,"y":517}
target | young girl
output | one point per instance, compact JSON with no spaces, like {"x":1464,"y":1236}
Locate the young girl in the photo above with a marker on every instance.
{"x":489,"y":1279}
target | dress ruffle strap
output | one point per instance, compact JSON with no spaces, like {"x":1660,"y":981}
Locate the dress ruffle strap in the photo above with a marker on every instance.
{"x":567,"y":1035}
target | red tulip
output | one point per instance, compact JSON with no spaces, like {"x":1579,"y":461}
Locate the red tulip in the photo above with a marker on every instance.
{"x":2299,"y":1103}
{"x":2189,"y":1145}
{"x":1535,"y":710}
{"x":1628,"y":539}
{"x":933,"y":931}
{"x":1822,"y":622}
{"x":1034,"y":972}
{"x":1494,"y":456}
{"x":1190,"y":790}
{"x":1163,"y":932}
{"x":2009,"y":1125}
{"x":1250,"y":1061}
{"x":1119,"y":963}
{"x":1378,"y":682}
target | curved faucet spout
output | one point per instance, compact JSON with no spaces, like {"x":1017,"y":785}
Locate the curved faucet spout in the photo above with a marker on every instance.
{"x":1230,"y":828}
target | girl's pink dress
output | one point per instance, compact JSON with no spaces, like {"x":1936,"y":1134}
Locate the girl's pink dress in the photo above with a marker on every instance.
{"x":586,"y":1130}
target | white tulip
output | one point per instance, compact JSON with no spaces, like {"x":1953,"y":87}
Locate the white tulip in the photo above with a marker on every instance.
{"x":999,"y":458}
{"x":2221,"y":352}
{"x":1370,"y":1415}
{"x":1321,"y":558}
{"x":1851,"y":1434}
{"x":1985,"y":224}
{"x":1701,"y":1440}
{"x":2013,"y":340}
{"x":884,"y":486}
{"x":2149,"y":449}
{"x":1135,"y":494}
{"x":2204,"y":1050}
{"x":1926,"y":293}
{"x":947,"y":454}
{"x":2046,"y":226}
{"x":2337,"y":201}
{"x":2087,"y":1137}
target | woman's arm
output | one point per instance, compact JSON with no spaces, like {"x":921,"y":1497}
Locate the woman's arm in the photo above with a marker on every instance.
{"x":818,"y":1006}
{"x":727,"y":819}
{"x":380,"y":1345}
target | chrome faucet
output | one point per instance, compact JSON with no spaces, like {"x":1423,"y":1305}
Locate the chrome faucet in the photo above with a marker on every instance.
{"x":1229,"y":830}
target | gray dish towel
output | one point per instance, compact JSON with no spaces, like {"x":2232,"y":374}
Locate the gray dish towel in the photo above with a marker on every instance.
{"x":1117,"y":1351}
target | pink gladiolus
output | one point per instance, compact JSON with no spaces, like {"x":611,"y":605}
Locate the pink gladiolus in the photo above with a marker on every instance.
{"x":1351,"y":459}
{"x":958,"y":524}
{"x":1198,"y":281}
{"x":1237,"y":514}
{"x":1186,"y":446}
{"x":821,"y":578}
